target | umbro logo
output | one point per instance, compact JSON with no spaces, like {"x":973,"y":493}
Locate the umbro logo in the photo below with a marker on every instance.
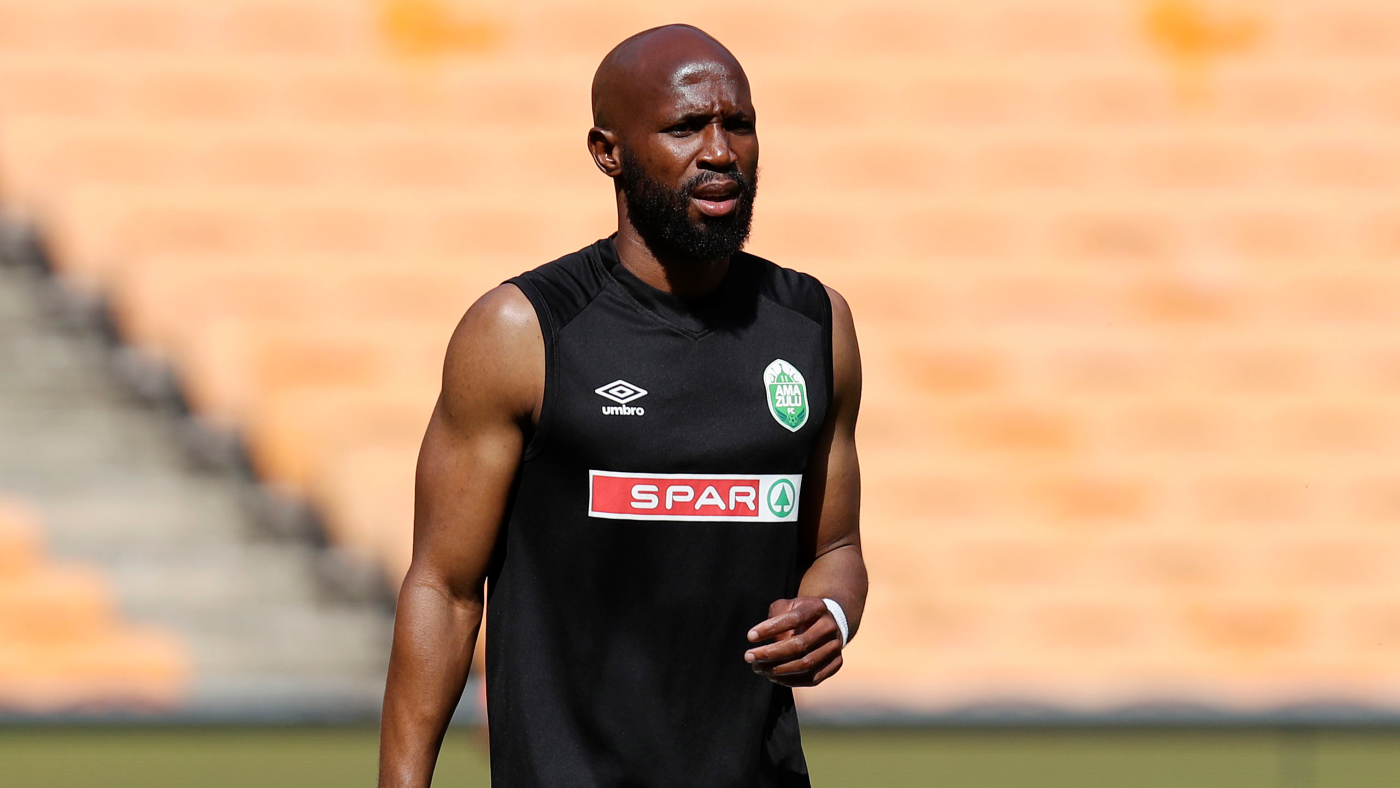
{"x":621,"y":392}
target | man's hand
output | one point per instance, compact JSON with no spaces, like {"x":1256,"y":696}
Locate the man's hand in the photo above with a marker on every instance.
{"x":807,"y":647}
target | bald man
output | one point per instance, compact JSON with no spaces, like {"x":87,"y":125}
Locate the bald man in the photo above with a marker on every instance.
{"x":644,"y":454}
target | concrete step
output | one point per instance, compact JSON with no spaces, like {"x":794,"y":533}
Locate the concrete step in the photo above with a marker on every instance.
{"x":272,"y":640}
{"x":119,"y":516}
{"x":81,"y":438}
{"x":193,"y":579}
{"x":177,"y":539}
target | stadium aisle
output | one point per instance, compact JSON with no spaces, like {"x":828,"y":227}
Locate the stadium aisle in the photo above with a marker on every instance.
{"x":116,"y":489}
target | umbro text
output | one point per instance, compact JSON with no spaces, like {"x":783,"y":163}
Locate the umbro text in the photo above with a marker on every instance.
{"x":623,"y":410}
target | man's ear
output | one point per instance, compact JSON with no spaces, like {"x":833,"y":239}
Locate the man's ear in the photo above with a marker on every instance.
{"x":603,"y":146}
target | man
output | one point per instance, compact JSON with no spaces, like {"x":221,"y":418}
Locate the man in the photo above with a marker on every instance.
{"x":645,"y":451}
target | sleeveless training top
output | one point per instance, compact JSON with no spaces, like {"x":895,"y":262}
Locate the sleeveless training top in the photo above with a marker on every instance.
{"x":653,"y":520}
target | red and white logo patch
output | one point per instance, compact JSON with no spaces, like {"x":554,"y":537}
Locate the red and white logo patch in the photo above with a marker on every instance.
{"x":698,"y":497}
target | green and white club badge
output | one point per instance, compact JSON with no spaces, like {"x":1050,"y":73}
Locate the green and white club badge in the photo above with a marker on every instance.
{"x":787,"y":394}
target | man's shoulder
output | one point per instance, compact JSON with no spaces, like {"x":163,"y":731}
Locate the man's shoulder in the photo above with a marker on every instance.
{"x":796,"y":290}
{"x":578,"y":266}
{"x":562,"y":287}
{"x":494,"y":359}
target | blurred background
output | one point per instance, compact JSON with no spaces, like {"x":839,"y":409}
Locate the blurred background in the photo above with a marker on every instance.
{"x":1124,"y":274}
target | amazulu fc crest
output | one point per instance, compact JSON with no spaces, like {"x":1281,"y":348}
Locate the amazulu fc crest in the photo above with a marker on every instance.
{"x":787,"y":394}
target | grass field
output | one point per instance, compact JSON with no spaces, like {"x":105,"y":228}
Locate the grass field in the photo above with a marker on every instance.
{"x":308,"y":757}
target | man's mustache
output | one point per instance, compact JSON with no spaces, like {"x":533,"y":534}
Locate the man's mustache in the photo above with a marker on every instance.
{"x":734,"y":176}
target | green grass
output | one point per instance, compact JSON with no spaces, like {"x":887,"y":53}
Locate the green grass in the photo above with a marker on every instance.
{"x":308,"y":757}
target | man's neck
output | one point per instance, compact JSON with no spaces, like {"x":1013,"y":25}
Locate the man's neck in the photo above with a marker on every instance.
{"x":687,"y":278}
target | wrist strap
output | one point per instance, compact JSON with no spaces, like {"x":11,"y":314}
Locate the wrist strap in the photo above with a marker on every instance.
{"x":840,"y":616}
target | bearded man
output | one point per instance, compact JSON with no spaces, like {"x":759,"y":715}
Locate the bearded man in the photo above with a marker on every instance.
{"x":644,"y":458}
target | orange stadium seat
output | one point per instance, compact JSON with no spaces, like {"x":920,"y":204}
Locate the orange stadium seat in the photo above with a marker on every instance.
{"x":62,"y":644}
{"x":301,"y":429}
{"x":124,"y":669}
{"x":54,"y":603}
{"x":367,"y":495}
{"x":240,"y":363}
{"x":1123,"y":275}
{"x":104,"y":224}
{"x":161,"y":301}
{"x":19,"y":539}
{"x":50,"y":156}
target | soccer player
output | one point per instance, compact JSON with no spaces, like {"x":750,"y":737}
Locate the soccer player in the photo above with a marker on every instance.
{"x":644,"y":453}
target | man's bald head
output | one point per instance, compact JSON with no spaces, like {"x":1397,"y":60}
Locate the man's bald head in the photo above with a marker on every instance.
{"x":674,"y":127}
{"x":654,"y":62}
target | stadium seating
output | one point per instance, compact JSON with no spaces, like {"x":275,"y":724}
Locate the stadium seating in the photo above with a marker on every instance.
{"x":62,"y":646}
{"x":1123,"y":274}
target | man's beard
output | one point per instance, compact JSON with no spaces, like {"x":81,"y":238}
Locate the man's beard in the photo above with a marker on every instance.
{"x":661,"y":215}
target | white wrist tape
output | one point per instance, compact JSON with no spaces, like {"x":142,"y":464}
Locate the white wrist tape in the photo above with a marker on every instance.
{"x":840,"y":616}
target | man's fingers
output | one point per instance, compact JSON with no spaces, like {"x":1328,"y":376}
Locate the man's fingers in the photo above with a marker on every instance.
{"x":773,"y":626}
{"x":826,"y":672}
{"x":807,"y":662}
{"x":786,"y":622}
{"x":824,"y":629}
{"x":783,"y":650}
{"x":809,"y":678}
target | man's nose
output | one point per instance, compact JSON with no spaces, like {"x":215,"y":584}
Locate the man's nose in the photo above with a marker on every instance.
{"x":715,"y":152}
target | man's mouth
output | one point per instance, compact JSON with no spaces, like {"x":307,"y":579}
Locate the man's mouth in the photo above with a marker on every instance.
{"x":717,"y":198}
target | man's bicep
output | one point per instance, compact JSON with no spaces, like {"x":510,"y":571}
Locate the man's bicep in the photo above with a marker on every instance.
{"x":840,"y":512}
{"x":472,"y":449}
{"x":836,"y":467}
{"x":461,"y":488}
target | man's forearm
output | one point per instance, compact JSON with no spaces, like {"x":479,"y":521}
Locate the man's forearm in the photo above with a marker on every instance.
{"x":434,"y":636}
{"x":839,"y":574}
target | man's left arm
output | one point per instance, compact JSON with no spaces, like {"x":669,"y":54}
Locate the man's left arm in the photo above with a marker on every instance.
{"x":807,"y":640}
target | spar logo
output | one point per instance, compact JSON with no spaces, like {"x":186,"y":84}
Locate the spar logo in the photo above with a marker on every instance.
{"x":697,"y":497}
{"x":782,"y":498}
{"x":787,"y":394}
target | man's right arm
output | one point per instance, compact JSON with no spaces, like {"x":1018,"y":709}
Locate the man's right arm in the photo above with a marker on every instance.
{"x":493,"y":384}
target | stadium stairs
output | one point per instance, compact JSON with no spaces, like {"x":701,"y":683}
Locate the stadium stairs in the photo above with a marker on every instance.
{"x":1124,"y":275}
{"x":61,"y":646}
{"x":162,"y":594}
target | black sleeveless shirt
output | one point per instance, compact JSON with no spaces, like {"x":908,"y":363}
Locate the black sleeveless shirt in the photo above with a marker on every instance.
{"x":653,"y":521}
